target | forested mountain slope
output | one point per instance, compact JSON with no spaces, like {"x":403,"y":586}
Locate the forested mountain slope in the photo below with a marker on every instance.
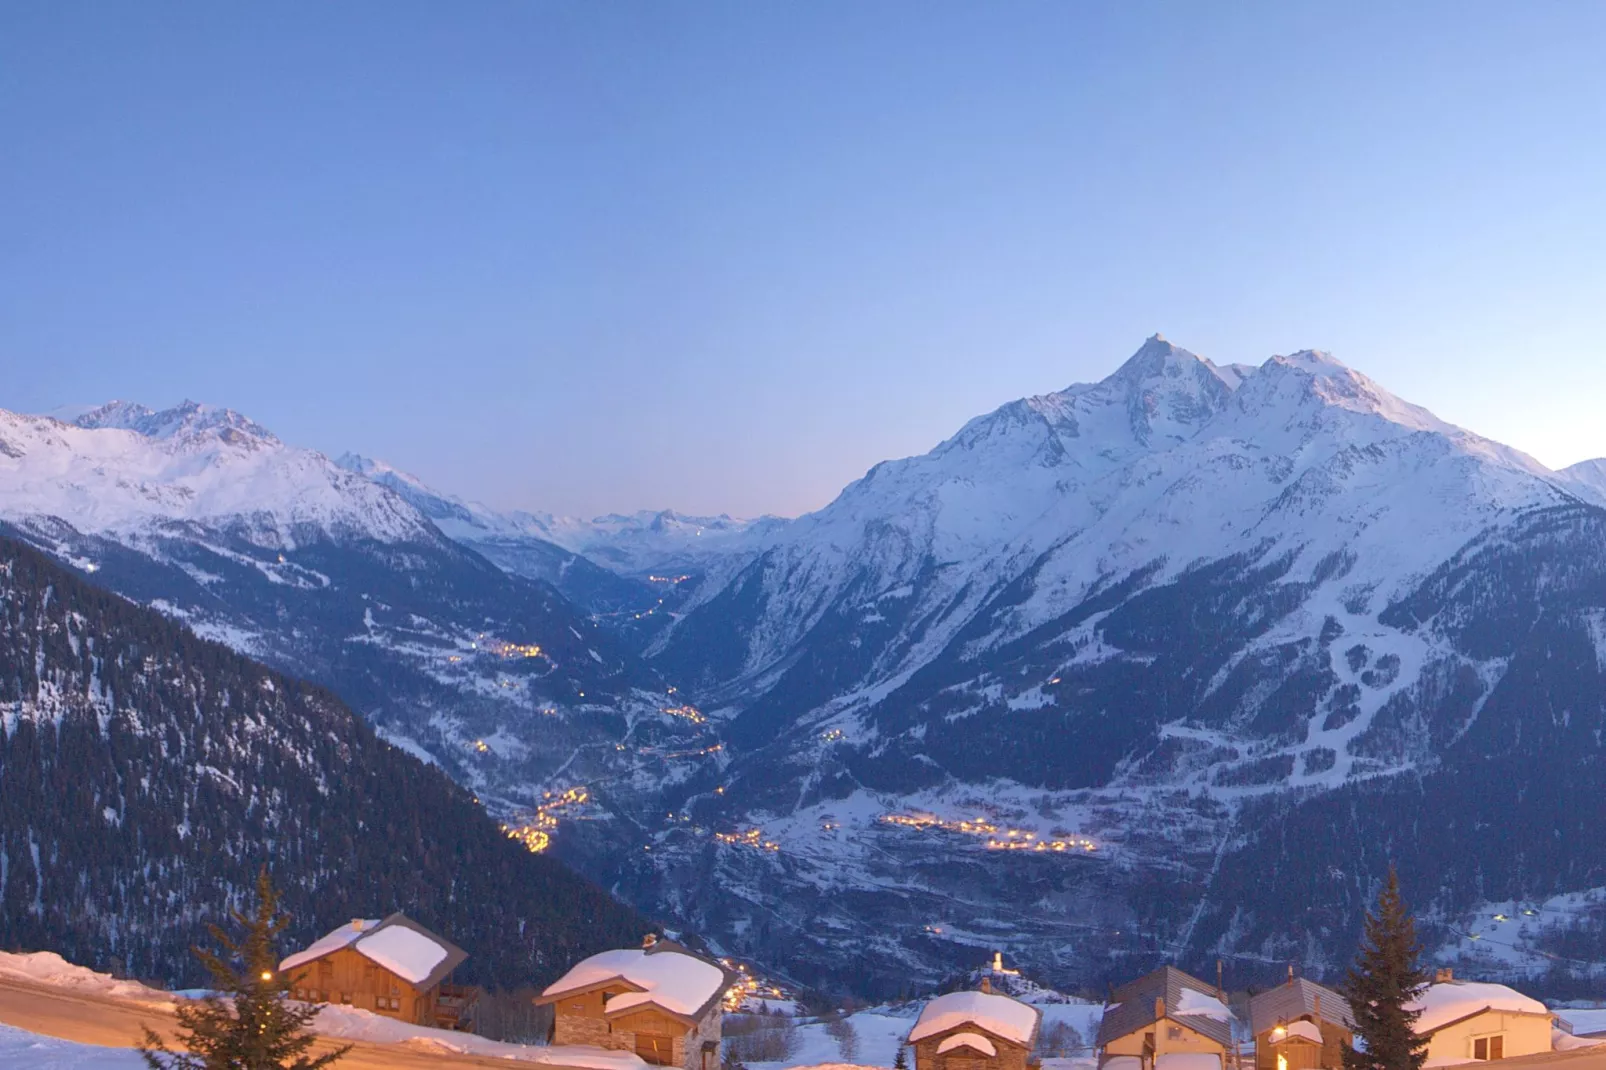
{"x":145,"y":774}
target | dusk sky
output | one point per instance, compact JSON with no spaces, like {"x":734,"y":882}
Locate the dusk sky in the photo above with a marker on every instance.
{"x":722,"y":257}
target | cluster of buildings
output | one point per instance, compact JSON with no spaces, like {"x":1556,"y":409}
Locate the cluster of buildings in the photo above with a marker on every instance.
{"x":1168,"y":1020}
{"x":664,"y":1004}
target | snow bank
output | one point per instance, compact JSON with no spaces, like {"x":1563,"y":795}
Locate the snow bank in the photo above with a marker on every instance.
{"x":350,"y":1023}
{"x":999,"y":1015}
{"x":1560,"y":1041}
{"x":21,"y":1049}
{"x":679,"y":983}
{"x":1451,"y":1001}
{"x":1187,"y":1060}
{"x":50,"y":969}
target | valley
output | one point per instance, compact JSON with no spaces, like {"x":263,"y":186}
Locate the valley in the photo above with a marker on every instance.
{"x":1167,"y":667}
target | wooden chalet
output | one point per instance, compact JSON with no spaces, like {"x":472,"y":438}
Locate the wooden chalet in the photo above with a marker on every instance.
{"x":661,"y":1002}
{"x":394,"y":967}
{"x":1470,"y":1020}
{"x":980,"y":1030}
{"x":1300,"y":1025}
{"x":1165,"y":1020}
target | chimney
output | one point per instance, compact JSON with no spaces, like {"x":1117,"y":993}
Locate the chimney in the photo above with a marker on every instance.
{"x":1317,"y":1008}
{"x":1443,"y":975}
{"x":356,"y":924}
{"x":987,"y":984}
{"x":1290,"y":973}
{"x":648,"y":941}
{"x":1159,"y":1008}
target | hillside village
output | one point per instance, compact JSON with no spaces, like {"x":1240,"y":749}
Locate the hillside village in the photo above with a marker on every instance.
{"x":387,"y":985}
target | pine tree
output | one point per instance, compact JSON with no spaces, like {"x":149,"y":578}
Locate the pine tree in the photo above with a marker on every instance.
{"x":255,"y":1028}
{"x":902,"y":1061}
{"x":1384,"y":980}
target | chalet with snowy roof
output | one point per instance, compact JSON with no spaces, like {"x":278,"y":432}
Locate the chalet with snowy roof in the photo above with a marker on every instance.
{"x":660,"y":1001}
{"x":1165,"y":1020}
{"x":979,"y":1030}
{"x":1300,"y":1025}
{"x":394,"y":967}
{"x":1473,"y":1020}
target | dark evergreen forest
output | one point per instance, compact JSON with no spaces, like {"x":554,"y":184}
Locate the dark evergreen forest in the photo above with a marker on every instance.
{"x":145,"y":775}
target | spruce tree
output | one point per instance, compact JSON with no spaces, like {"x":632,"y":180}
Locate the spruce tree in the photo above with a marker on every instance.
{"x":1384,"y":980}
{"x":902,"y":1061}
{"x":255,"y":1028}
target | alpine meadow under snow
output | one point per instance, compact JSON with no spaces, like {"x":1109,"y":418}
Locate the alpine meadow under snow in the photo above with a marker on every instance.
{"x":1169,"y":666}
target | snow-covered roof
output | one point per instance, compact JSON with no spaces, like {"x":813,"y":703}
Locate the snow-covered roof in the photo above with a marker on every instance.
{"x":1299,"y":997}
{"x":1451,"y":1001}
{"x":1003,"y":1017}
{"x":397,"y":943}
{"x":405,"y":952}
{"x":1187,"y":1060}
{"x":1305,"y":1030}
{"x":968,"y":1040}
{"x":341,"y":937}
{"x":1195,"y":1002}
{"x":1180,"y":997}
{"x":667,"y":977}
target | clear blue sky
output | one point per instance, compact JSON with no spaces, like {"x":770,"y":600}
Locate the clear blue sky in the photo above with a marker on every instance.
{"x":723,"y":256}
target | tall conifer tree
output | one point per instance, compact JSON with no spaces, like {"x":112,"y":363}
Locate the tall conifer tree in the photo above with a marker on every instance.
{"x":255,"y":1028}
{"x":1384,"y":980}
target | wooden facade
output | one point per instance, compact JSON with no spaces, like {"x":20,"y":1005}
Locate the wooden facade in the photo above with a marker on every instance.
{"x":649,"y":1027}
{"x":1300,"y":1025}
{"x":1006,"y":1054}
{"x":336,"y":970}
{"x":1163,"y":1013}
{"x":979,"y":1030}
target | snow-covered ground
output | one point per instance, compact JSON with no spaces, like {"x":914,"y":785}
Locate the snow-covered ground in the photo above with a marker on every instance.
{"x":47,"y":970}
{"x":50,"y":969}
{"x":30,"y":1051}
{"x":880,"y":1031}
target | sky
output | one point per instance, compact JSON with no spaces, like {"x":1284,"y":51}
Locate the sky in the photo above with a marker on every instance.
{"x":723,"y":257}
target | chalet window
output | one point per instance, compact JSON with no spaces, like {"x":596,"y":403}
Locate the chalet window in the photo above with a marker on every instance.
{"x":1486,"y":1048}
{"x":1173,"y":1032}
{"x":345,"y":997}
{"x":654,"y":1049}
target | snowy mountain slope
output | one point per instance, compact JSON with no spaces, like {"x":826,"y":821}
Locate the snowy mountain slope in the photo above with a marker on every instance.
{"x":148,"y":774}
{"x":124,"y":468}
{"x":518,"y":542}
{"x":1132,"y":612}
{"x":284,"y":555}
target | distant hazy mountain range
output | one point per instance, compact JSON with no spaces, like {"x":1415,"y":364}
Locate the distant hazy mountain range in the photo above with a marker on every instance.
{"x":1167,"y":666}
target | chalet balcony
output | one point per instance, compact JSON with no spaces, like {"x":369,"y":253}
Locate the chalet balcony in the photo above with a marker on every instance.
{"x":454,"y":1006}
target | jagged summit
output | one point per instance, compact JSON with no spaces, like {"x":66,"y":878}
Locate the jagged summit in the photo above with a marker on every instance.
{"x":186,"y":419}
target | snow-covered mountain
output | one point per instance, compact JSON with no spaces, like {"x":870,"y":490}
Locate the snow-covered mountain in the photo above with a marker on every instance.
{"x":1168,"y":666}
{"x":644,"y":542}
{"x":330,"y":575}
{"x":631,"y":572}
{"x":1070,"y":682}
{"x":127,"y":469}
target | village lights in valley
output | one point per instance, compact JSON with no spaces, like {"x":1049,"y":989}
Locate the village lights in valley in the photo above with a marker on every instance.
{"x":998,"y":839}
{"x":536,"y":833}
{"x":750,"y":838}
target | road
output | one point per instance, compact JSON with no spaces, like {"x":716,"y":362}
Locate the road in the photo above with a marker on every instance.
{"x":87,"y":1019}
